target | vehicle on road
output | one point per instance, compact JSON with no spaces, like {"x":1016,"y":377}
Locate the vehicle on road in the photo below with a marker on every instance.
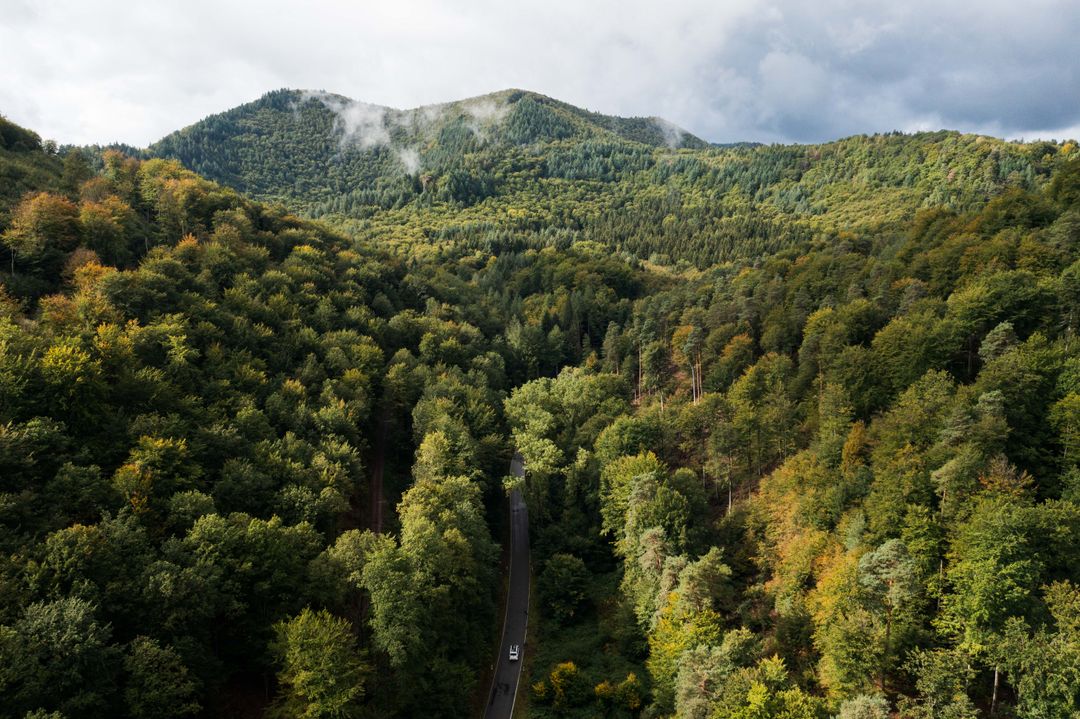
{"x":515,"y":651}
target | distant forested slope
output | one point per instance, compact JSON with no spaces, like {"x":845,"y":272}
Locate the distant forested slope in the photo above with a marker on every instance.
{"x":522,"y":168}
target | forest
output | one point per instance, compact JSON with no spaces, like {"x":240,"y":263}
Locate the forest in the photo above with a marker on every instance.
{"x":801,"y":424}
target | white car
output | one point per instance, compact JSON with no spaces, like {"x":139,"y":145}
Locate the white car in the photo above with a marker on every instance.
{"x":515,"y":652}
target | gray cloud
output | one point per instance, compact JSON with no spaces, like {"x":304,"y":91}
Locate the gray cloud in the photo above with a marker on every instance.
{"x":105,"y":70}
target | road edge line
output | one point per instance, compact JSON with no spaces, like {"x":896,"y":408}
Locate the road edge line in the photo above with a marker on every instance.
{"x":528,"y":605}
{"x":506,"y":606}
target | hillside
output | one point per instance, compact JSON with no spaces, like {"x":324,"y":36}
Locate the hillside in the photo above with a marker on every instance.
{"x":189,"y":383}
{"x":327,"y":144}
{"x":522,"y":168}
{"x":835,"y":474}
{"x":24,"y":166}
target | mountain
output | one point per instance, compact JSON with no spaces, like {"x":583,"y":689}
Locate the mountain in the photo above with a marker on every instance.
{"x":185,"y":372}
{"x":255,"y":465}
{"x":524,"y":168}
{"x":326,"y":142}
{"x":24,"y":166}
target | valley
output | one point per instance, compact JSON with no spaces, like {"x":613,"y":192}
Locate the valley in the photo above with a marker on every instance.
{"x":797,"y":424}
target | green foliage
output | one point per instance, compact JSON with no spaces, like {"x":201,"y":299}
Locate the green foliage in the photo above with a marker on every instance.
{"x":190,"y":391}
{"x":57,"y":657}
{"x":1046,"y":667}
{"x":158,"y":682}
{"x":770,"y":695}
{"x":865,"y":706}
{"x":562,"y":586}
{"x":799,"y":423}
{"x":942,"y":678}
{"x":517,"y":167}
{"x":321,"y":675}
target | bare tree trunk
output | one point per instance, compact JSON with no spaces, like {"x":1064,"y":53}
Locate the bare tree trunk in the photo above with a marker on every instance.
{"x":700,"y":384}
{"x":993,"y":698}
{"x":885,"y":654}
{"x":639,"y":370}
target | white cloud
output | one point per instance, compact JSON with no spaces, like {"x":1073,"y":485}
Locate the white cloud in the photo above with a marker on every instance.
{"x":409,"y":158}
{"x":359,"y":124}
{"x":104,"y":70}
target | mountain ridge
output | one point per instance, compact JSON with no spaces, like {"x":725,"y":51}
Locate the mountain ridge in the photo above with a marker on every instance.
{"x":523,"y":165}
{"x":632,"y":128}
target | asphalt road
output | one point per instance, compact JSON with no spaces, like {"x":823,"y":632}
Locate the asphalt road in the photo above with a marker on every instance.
{"x":504,"y":684}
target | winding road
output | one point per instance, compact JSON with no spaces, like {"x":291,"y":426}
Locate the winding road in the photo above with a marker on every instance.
{"x":504,"y":684}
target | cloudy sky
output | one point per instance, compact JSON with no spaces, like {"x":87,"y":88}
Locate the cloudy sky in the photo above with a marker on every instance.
{"x":85,"y":71}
